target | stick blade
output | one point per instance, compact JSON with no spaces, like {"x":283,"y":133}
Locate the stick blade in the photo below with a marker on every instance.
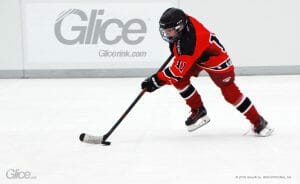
{"x":90,"y":139}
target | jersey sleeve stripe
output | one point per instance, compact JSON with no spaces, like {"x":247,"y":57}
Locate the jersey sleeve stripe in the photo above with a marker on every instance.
{"x":170,"y":74}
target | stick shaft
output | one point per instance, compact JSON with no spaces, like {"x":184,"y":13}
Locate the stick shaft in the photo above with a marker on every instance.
{"x":133,"y":103}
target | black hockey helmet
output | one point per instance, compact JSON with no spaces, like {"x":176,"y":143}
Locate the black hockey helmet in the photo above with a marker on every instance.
{"x":172,"y":19}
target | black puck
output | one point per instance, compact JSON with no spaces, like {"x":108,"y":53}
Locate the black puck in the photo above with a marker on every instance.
{"x":81,"y":137}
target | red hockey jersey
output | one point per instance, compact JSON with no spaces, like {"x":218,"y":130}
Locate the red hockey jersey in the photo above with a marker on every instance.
{"x":197,"y":47}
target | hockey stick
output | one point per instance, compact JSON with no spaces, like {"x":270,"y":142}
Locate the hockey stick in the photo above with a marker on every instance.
{"x":102,"y":139}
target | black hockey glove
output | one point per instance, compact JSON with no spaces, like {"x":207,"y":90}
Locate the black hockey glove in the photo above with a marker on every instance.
{"x":151,"y":83}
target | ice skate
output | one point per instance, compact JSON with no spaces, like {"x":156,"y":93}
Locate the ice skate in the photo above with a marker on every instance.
{"x":263,"y":130}
{"x":197,"y":119}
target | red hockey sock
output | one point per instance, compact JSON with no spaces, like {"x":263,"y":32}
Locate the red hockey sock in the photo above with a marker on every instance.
{"x":243,"y":104}
{"x":194,"y":101}
{"x":253,"y":116}
{"x":191,"y":97}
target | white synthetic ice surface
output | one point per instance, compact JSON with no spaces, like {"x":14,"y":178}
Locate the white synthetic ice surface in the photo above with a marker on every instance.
{"x":41,"y":120}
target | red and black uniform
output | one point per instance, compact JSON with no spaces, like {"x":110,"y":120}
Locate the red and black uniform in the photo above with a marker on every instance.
{"x":198,"y":49}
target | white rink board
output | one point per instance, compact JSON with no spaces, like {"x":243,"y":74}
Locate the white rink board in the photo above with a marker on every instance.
{"x":104,"y":34}
{"x":255,"y":34}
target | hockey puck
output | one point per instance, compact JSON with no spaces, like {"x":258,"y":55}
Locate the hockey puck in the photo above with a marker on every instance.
{"x":81,"y":137}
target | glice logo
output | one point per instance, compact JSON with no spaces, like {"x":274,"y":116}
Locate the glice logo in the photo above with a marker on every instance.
{"x":17,"y":174}
{"x":96,"y":28}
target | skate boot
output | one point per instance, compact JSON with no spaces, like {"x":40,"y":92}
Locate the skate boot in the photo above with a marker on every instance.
{"x":263,"y":130}
{"x":197,"y":119}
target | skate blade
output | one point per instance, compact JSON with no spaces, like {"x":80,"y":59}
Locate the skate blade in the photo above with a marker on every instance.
{"x":266,"y":132}
{"x":198,"y":124}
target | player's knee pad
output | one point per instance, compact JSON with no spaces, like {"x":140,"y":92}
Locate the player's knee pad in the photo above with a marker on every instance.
{"x":231,"y":93}
{"x":222,"y":79}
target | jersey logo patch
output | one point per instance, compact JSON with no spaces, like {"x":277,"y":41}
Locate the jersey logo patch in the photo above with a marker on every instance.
{"x":227,"y":79}
{"x":180,"y":65}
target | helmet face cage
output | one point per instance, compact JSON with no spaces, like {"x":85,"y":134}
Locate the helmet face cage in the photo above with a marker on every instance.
{"x":178,"y":29}
{"x":173,"y":21}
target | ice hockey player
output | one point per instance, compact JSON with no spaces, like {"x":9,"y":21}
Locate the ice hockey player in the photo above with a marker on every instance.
{"x":195,"y":49}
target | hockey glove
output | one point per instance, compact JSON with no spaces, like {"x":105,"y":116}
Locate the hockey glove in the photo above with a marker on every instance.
{"x":151,"y":84}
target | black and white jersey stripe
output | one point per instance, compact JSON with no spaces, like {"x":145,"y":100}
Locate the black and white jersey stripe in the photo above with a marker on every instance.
{"x":187,"y":92}
{"x":244,"y":105}
{"x":168,"y":72}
